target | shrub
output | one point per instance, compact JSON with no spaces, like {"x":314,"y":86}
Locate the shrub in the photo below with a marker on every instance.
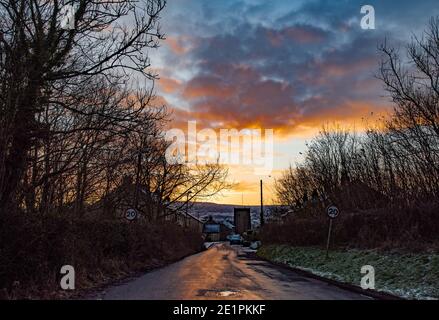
{"x":416,"y":227}
{"x":33,"y":249}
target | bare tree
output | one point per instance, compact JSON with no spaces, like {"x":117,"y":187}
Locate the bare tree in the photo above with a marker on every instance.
{"x":42,"y":64}
{"x":414,"y":87}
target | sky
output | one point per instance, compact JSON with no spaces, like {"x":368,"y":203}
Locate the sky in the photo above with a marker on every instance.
{"x":287,"y":65}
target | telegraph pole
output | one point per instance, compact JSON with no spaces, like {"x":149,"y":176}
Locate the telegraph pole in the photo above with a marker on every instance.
{"x":187,"y":208}
{"x":139,"y":166}
{"x":262,"y":207}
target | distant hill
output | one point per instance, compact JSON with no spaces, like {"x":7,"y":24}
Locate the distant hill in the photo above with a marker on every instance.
{"x":221,"y":212}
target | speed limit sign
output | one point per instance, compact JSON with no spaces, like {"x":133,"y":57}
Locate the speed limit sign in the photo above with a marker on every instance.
{"x":131,"y":214}
{"x":332,"y":212}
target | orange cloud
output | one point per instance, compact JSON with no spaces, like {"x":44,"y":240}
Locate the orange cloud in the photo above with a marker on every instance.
{"x":175,"y":45}
{"x":236,"y":96}
{"x":305,"y":34}
{"x":206,"y":88}
{"x":352,"y":113}
{"x":180,"y":45}
{"x":302,"y":34}
{"x":169,"y":85}
{"x":245,"y":186}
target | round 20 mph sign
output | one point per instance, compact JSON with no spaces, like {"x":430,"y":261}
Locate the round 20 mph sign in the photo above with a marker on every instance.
{"x":131,"y":214}
{"x":332,"y":212}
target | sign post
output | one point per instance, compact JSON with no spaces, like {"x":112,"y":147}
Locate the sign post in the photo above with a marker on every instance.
{"x":332,"y":212}
{"x":131,"y":214}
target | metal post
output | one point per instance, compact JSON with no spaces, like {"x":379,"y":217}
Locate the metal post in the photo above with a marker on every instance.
{"x":136,"y":194}
{"x":262,"y":207}
{"x":187,"y":210}
{"x":329,"y":238}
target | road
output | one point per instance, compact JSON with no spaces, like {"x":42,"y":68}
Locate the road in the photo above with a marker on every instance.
{"x":224,"y":272}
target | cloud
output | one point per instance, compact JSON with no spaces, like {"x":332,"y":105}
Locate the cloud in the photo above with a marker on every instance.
{"x":285,"y":65}
{"x":290,"y":65}
{"x":302,"y":34}
{"x":245,"y":186}
{"x":169,"y":85}
{"x":175,"y":45}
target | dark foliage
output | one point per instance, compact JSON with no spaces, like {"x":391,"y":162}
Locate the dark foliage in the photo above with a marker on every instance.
{"x":33,"y":250}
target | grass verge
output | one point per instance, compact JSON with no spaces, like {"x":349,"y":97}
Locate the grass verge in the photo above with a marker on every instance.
{"x":409,"y":275}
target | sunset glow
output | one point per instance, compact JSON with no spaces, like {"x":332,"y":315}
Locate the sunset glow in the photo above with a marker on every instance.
{"x":292,"y":66}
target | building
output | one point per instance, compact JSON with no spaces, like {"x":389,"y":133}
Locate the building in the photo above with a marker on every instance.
{"x":147,"y":204}
{"x":188,"y":221}
{"x":242,"y":220}
{"x":212,"y":230}
{"x":216,"y":231}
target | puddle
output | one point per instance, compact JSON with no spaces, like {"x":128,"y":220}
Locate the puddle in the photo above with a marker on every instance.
{"x":227,"y":293}
{"x":218,"y":293}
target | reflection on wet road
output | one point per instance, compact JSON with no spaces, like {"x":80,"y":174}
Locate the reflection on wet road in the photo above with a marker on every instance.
{"x":225,"y":272}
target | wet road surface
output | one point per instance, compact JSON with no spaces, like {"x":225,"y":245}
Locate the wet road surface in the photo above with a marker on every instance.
{"x":225,"y":272}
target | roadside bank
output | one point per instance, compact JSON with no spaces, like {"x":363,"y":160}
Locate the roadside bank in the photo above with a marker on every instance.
{"x":408,"y":275}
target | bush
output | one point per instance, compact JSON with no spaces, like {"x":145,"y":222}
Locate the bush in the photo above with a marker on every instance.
{"x":413,"y":228}
{"x":33,"y":249}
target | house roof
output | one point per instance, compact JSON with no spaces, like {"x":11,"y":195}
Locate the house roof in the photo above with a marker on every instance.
{"x":211,"y":228}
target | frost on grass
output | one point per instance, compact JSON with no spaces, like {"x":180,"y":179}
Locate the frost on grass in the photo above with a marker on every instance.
{"x":414,"y":276}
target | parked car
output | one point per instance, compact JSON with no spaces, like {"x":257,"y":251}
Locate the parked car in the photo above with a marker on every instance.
{"x":251,"y":235}
{"x":235,"y":239}
{"x":246,"y":243}
{"x":255,"y":245}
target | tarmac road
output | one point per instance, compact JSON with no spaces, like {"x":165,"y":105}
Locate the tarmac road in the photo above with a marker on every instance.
{"x":225,"y":272}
